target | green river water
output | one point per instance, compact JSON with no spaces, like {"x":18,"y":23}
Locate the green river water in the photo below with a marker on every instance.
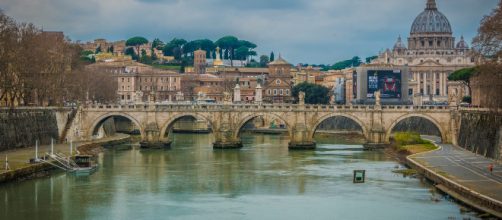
{"x":263,"y":180}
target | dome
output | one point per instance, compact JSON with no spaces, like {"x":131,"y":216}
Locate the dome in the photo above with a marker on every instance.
{"x":279,"y":61}
{"x":399,"y":44}
{"x":431,"y":21}
{"x":462,"y":44}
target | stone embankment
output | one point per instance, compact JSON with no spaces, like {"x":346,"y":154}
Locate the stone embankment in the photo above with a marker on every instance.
{"x":458,"y":178}
{"x":481,"y":133}
{"x":43,"y":169}
{"x":21,"y":127}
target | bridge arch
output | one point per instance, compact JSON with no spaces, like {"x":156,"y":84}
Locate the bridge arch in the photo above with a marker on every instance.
{"x":408,"y":116}
{"x":250,"y":117}
{"x":173,"y":119}
{"x":101,"y":119}
{"x":332,"y":115}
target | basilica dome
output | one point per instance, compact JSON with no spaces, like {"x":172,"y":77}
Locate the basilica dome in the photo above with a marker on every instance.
{"x":431,"y":21}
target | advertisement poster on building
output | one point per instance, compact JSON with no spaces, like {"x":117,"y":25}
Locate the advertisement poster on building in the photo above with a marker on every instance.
{"x":387,"y":81}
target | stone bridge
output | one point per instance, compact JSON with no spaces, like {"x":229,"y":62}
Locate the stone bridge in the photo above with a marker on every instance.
{"x":226,"y":120}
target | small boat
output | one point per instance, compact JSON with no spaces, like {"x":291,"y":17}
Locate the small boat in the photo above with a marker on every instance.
{"x":84,"y":165}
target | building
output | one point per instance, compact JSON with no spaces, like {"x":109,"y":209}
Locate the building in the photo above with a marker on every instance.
{"x":431,"y":55}
{"x":308,"y":75}
{"x":390,"y":80}
{"x":279,"y":82}
{"x":117,"y":48}
{"x":199,"y":61}
{"x":137,"y":82}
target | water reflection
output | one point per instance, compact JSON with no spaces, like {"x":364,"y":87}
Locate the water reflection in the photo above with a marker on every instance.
{"x":263,"y":180}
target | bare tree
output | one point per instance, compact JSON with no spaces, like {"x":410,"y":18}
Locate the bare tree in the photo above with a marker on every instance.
{"x":488,"y":43}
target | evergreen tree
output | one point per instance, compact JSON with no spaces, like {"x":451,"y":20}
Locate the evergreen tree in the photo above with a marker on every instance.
{"x":98,"y":50}
{"x":314,"y":94}
{"x":272,"y":56}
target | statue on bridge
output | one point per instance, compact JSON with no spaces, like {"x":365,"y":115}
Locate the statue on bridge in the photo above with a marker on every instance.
{"x":227,"y":98}
{"x":377,"y":95}
{"x":301,"y":98}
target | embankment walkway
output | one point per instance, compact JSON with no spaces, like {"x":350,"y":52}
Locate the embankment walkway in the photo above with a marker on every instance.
{"x":19,"y":158}
{"x":464,"y":175}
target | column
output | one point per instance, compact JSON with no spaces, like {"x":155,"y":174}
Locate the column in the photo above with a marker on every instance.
{"x":445,"y":84}
{"x":425,"y":84}
{"x":441,"y":85}
{"x":418,"y":82}
{"x":434,"y":80}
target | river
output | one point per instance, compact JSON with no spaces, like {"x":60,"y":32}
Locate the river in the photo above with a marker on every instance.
{"x":263,"y":180}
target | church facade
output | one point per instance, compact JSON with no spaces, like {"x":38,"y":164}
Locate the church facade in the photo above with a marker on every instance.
{"x":432,"y":54}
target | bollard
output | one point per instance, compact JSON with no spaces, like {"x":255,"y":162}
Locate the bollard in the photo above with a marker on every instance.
{"x":7,"y":167}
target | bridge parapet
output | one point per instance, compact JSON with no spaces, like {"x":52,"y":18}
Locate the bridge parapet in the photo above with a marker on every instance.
{"x":265,"y":107}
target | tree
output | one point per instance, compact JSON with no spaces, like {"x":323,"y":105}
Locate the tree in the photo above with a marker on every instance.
{"x":463,"y":75}
{"x":369,"y":59}
{"x":136,"y":42}
{"x":488,"y":77}
{"x":174,"y":48}
{"x":489,"y":39}
{"x":314,"y":94}
{"x":264,"y":60}
{"x":354,"y":62}
{"x":158,"y":44}
{"x":229,"y":43}
{"x":272,"y":56}
{"x":98,"y":50}
{"x":241,"y":53}
{"x":110,"y":49}
{"x":130,"y":51}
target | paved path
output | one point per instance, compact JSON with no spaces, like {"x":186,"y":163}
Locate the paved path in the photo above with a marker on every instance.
{"x":465,"y":168}
{"x":19,"y":158}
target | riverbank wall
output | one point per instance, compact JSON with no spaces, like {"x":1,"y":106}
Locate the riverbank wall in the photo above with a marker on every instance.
{"x":21,"y":127}
{"x":457,"y":191}
{"x":481,"y":133}
{"x":42,"y":169}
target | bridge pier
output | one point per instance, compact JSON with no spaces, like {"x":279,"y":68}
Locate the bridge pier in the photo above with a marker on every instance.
{"x":376,"y":138}
{"x":301,"y":139}
{"x":225,"y":138}
{"x":302,"y":145}
{"x":152,"y":138}
{"x":227,"y":145}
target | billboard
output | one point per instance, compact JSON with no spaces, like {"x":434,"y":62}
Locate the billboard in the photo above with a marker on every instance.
{"x":387,"y":81}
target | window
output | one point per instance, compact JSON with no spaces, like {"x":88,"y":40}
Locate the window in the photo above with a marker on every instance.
{"x":123,"y":88}
{"x":287,"y":91}
{"x":437,"y":91}
{"x":128,"y":79}
{"x":128,"y":97}
{"x":122,"y":97}
{"x":282,"y":92}
{"x":410,"y":91}
{"x":269,"y":92}
{"x":278,"y":82}
{"x":122,"y":79}
{"x":275,"y":91}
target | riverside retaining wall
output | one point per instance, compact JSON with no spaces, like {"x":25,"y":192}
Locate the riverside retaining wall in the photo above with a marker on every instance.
{"x":481,"y":133}
{"x":22,"y":127}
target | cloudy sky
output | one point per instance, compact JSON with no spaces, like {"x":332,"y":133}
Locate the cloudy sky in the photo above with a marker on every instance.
{"x":306,"y":31}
